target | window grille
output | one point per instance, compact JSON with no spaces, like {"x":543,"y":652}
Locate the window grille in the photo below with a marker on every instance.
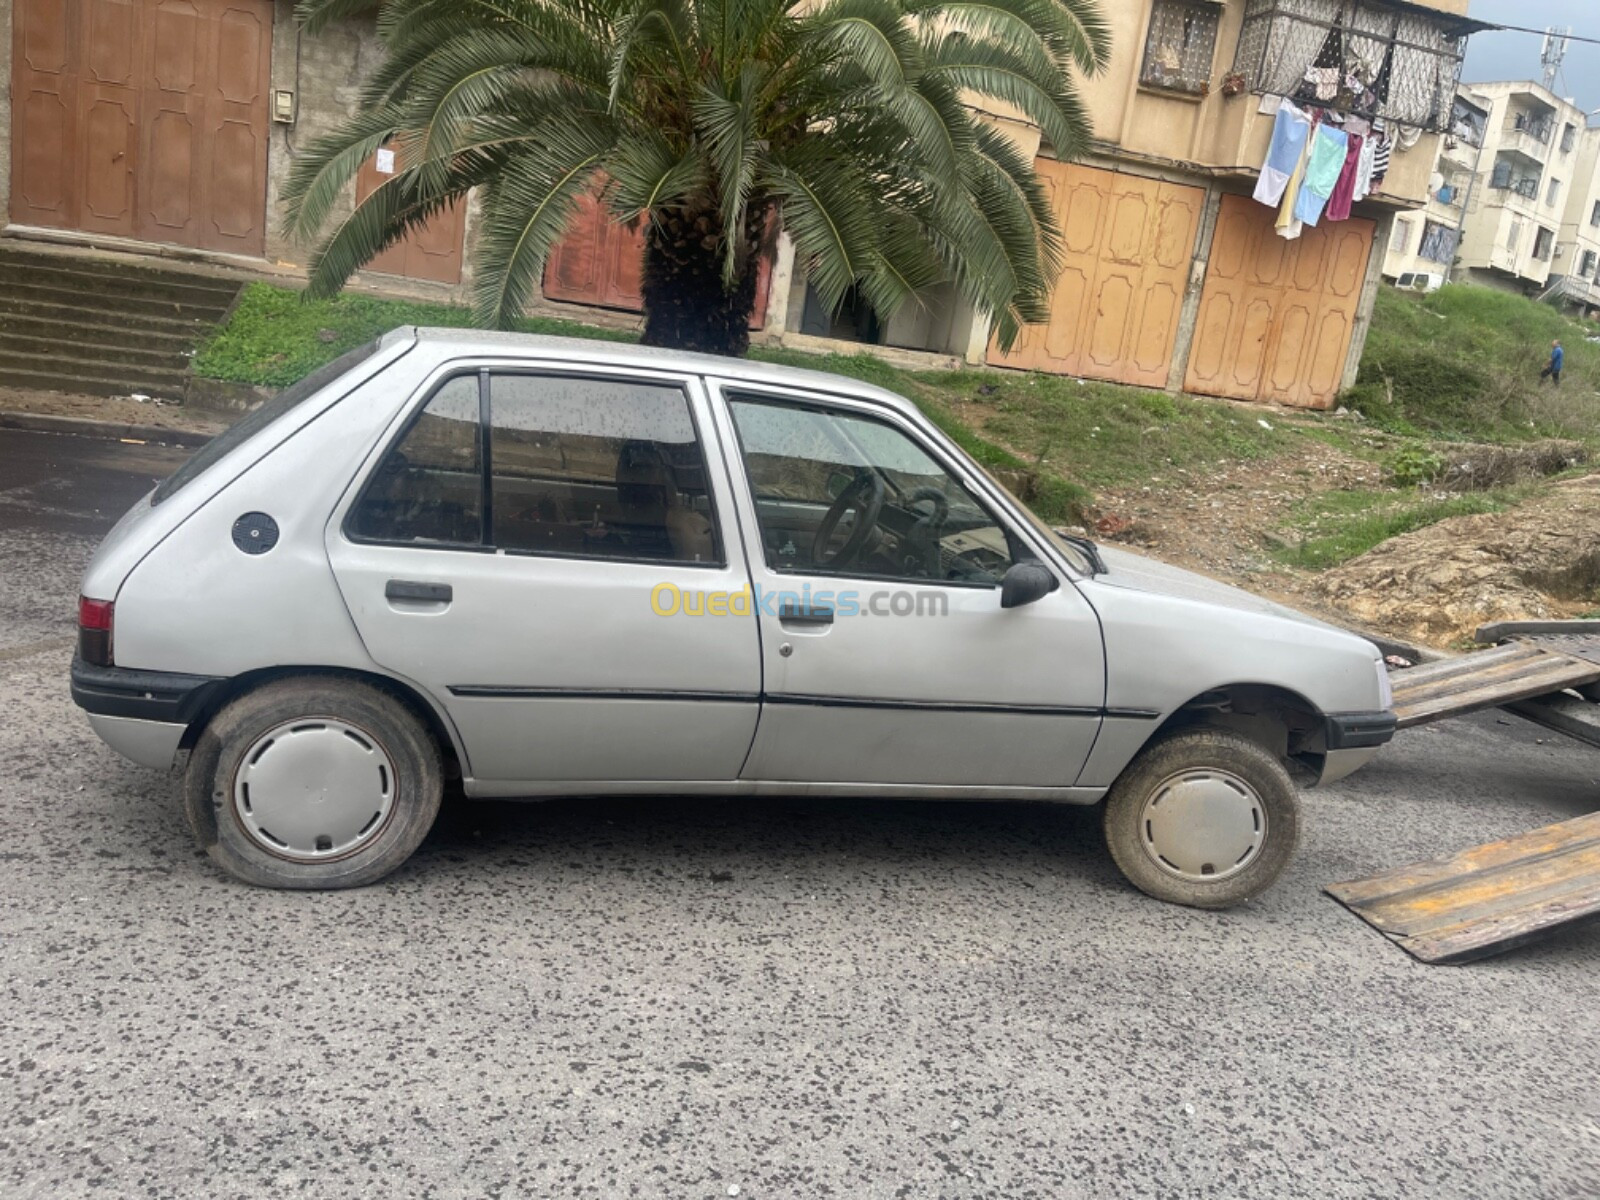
{"x":1181,"y":46}
{"x":1588,"y":263}
{"x":1363,"y":56}
{"x":1569,"y":135}
{"x":1553,"y":193}
{"x":1400,"y":236}
{"x":1543,"y":241}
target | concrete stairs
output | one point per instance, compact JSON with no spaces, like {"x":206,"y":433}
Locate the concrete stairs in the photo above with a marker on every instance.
{"x":103,"y":326}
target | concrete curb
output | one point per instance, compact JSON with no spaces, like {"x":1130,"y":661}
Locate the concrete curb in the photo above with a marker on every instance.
{"x":89,"y":427}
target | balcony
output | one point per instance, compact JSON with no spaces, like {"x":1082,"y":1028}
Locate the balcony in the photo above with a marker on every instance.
{"x":1525,"y":144}
{"x":1512,"y":184}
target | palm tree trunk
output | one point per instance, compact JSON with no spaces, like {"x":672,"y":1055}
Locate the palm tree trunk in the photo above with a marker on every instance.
{"x":686,"y":306}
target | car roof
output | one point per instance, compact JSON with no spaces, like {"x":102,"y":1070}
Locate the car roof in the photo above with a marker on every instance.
{"x":538,"y":345}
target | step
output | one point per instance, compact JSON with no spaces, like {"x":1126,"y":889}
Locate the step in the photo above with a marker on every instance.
{"x":115,"y":302}
{"x":125,"y":377}
{"x":82,"y":345}
{"x":121,"y":288}
{"x":82,"y":385}
{"x":73,"y":312}
{"x":19,"y":263}
{"x":63,"y":325}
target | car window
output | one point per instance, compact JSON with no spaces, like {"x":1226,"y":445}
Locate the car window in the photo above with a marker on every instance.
{"x":817,"y":473}
{"x":600,"y":468}
{"x":258,"y":419}
{"x":429,"y":487}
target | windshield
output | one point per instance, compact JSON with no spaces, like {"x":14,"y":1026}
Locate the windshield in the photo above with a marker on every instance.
{"x":258,"y":419}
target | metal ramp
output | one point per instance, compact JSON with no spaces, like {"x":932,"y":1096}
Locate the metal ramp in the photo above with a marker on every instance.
{"x":1487,"y":899}
{"x":1493,"y":897}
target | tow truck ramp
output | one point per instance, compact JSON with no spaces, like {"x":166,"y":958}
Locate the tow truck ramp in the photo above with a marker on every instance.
{"x":1494,"y":897}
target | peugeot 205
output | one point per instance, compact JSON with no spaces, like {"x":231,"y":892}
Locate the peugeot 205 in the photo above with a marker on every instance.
{"x":543,"y":567}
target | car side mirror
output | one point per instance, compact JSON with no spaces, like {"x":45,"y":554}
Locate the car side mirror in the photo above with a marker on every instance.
{"x":1026,"y":582}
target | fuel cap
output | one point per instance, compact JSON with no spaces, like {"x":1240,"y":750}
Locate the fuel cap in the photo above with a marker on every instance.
{"x":255,"y":533}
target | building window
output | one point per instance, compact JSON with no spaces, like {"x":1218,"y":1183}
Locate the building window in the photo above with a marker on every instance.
{"x":1543,"y":242}
{"x":1400,"y":62}
{"x":1514,"y":238}
{"x":1507,"y":178}
{"x":1400,"y":236}
{"x":1569,"y":135}
{"x":1181,"y":46}
{"x":1467,"y":122}
{"x":1553,"y":192}
{"x":1594,"y":215}
{"x":1438,"y":243}
{"x":1588,"y":263}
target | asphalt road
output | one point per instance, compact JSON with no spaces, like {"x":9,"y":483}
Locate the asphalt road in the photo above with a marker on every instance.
{"x":681,"y":997}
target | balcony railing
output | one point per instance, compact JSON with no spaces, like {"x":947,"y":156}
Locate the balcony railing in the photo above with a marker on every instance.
{"x":1526,"y":186}
{"x":1540,"y":128}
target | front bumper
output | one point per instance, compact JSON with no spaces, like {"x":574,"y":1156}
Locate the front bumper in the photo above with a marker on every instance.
{"x":142,"y":715}
{"x":1360,"y":731}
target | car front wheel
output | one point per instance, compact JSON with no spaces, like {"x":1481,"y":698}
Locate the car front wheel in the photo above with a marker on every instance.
{"x":1204,"y":817}
{"x":313,"y":782}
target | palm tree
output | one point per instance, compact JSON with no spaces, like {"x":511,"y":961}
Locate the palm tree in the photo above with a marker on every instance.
{"x":852,"y":120}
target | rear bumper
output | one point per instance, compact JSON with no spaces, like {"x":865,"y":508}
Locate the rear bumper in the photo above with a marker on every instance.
{"x":142,"y":715}
{"x":1360,"y":731}
{"x":164,"y":696}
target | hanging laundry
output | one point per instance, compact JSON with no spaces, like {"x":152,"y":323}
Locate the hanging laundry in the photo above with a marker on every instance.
{"x":1323,"y":168}
{"x":1287,"y":227}
{"x":1380,"y":154}
{"x":1369,"y":148}
{"x":1344,"y":190}
{"x":1290,"y":129}
{"x":1446,"y":194}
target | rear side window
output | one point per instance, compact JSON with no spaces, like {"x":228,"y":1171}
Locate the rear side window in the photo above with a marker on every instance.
{"x":429,"y":487}
{"x":598,"y":468}
{"x":253,"y":423}
{"x":578,"y":467}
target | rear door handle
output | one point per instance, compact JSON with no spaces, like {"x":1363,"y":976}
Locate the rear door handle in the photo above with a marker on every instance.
{"x":811,"y":615}
{"x":410,"y":589}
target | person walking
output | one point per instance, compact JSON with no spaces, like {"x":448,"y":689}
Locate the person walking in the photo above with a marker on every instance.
{"x":1552,"y":372}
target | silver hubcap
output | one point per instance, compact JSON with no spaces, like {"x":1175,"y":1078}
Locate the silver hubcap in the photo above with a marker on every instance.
{"x":1203,"y":825}
{"x":314,"y":789}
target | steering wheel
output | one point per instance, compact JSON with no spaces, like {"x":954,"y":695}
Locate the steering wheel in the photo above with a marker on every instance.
{"x":865,"y":496}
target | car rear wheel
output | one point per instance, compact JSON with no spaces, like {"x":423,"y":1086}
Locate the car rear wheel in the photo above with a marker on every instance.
{"x":313,"y":783}
{"x":1205,"y":817}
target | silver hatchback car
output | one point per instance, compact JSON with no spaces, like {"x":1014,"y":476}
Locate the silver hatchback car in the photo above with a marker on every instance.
{"x":545,"y":567}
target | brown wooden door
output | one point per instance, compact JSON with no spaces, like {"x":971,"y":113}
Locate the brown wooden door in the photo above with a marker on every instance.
{"x":600,"y":261}
{"x":432,"y":252}
{"x":143,"y":118}
{"x":1276,"y":316}
{"x":1128,"y":243}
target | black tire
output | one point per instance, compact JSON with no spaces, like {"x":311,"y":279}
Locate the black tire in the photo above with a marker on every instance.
{"x":209,"y":777}
{"x":1200,"y":750}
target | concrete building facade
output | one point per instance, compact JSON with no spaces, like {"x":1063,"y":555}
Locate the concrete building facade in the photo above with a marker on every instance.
{"x":171,"y":125}
{"x":1507,"y":196}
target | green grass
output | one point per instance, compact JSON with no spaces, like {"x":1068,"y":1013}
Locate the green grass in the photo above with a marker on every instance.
{"x":1332,"y":527}
{"x":1463,"y":363}
{"x":275,"y":338}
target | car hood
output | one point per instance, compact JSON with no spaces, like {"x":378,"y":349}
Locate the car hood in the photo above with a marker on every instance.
{"x":1126,"y":569}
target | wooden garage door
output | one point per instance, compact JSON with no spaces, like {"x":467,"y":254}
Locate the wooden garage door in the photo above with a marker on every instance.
{"x":432,"y":252}
{"x":143,"y":118}
{"x":1276,"y":316}
{"x":600,"y":262}
{"x":1114,"y":312}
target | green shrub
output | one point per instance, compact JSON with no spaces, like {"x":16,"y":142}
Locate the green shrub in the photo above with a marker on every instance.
{"x":1413,"y":465}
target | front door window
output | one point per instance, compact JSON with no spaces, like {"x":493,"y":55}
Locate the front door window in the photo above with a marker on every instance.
{"x":841,"y":494}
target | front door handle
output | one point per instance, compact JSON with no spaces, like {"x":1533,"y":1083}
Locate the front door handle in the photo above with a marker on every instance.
{"x":812,"y":614}
{"x":410,"y":589}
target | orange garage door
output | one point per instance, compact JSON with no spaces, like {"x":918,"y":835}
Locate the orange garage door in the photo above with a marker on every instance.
{"x":1276,"y":316}
{"x":143,"y":118}
{"x":1128,"y":244}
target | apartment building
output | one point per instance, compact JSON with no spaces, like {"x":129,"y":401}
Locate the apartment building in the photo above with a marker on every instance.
{"x":158,"y":123}
{"x":1425,"y":240}
{"x":1575,"y":269}
{"x":1529,"y":165}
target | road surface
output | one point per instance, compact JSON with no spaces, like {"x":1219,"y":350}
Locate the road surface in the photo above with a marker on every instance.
{"x":679,"y":997}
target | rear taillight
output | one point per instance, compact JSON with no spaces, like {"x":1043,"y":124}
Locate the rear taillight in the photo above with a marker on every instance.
{"x":94,"y":631}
